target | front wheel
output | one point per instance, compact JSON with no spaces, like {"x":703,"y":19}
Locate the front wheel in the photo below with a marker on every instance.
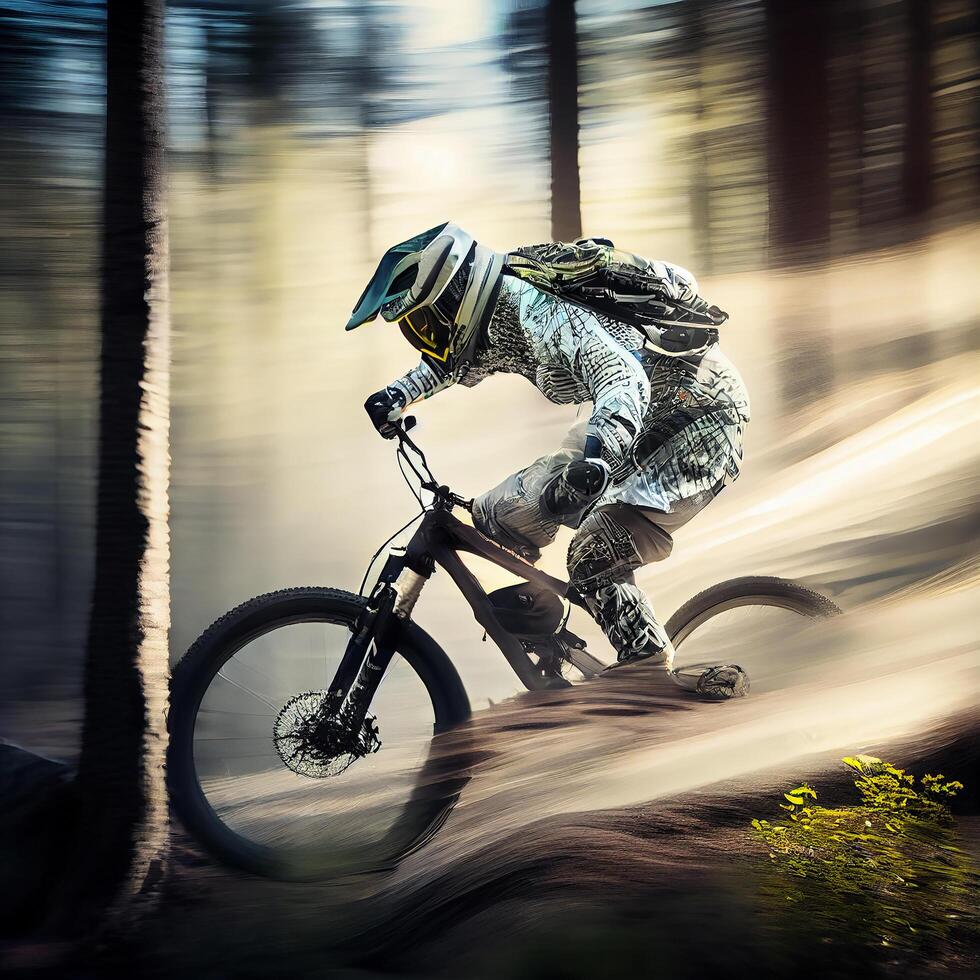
{"x":246,"y":800}
{"x":756,"y":622}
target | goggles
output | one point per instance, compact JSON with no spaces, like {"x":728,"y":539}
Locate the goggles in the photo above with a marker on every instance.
{"x":427,"y":333}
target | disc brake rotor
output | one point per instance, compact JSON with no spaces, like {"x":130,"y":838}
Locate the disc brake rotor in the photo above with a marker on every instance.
{"x":317,"y":736}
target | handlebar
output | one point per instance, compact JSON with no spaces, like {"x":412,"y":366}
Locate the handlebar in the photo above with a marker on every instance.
{"x":443,"y":497}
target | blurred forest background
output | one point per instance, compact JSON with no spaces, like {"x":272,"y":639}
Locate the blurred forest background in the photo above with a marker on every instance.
{"x":816,"y":164}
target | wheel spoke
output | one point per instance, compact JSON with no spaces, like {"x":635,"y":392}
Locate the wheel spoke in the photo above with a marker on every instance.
{"x":238,"y":714}
{"x":246,"y":689}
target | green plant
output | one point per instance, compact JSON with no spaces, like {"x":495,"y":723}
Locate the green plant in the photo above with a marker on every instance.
{"x":887,"y":870}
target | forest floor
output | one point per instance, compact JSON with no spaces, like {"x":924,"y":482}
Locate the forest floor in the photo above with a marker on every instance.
{"x":673,"y":887}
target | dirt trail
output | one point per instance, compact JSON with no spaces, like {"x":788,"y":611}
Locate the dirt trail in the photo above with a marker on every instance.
{"x":624,"y":790}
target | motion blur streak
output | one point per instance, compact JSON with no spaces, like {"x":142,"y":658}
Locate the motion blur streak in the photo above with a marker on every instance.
{"x":884,"y":519}
{"x":895,"y":665}
{"x":823,"y":185}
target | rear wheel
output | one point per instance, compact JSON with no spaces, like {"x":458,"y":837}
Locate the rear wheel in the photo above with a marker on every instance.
{"x":753,"y":622}
{"x":237,"y":786}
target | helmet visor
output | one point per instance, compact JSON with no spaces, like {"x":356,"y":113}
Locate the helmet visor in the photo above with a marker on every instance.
{"x":395,"y":275}
{"x":427,"y":333}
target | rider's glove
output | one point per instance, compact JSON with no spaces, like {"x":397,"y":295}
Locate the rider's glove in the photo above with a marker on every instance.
{"x":385,"y":409}
{"x":577,"y":486}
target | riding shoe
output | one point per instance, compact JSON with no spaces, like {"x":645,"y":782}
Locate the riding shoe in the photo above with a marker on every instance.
{"x":656,"y":655}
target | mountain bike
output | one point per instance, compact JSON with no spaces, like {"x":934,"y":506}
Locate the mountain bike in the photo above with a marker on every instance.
{"x":288,"y":757}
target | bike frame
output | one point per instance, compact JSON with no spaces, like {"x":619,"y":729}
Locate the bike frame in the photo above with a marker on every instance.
{"x":437,"y":541}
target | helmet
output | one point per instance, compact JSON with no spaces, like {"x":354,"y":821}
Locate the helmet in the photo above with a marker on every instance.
{"x":438,"y":286}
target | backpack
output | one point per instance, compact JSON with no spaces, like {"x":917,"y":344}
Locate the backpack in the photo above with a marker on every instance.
{"x":654,"y":297}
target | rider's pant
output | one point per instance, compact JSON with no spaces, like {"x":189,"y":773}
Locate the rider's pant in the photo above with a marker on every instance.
{"x":616,"y":538}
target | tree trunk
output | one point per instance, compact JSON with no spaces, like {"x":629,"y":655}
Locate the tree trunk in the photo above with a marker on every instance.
{"x":695,"y":24}
{"x":212,"y":98}
{"x":122,"y":832}
{"x":848,"y":95}
{"x":917,"y":160}
{"x":798,"y":45}
{"x":562,"y":46}
{"x":364,"y":95}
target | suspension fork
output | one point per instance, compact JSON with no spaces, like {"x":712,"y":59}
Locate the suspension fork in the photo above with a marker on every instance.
{"x":376,"y":632}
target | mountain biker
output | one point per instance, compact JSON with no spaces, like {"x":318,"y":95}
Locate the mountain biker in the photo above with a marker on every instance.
{"x":583,"y":322}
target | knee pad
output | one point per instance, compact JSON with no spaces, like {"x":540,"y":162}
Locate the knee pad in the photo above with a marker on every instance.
{"x":601,"y":553}
{"x":506,"y":515}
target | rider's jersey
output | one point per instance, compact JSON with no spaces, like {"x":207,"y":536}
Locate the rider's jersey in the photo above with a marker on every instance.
{"x":574,"y":355}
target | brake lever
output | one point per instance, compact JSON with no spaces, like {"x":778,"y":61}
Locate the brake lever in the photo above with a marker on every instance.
{"x":407,"y":423}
